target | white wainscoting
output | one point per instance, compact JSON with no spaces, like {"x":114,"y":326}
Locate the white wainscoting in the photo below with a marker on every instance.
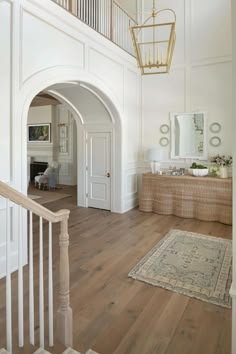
{"x":6,"y":88}
{"x":201,"y":80}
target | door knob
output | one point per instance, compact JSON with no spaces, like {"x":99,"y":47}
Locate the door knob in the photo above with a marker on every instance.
{"x":108,"y":175}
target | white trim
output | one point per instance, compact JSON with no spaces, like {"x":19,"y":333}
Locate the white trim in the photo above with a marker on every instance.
{"x":57,"y":75}
{"x":100,"y":99}
{"x":64,"y":100}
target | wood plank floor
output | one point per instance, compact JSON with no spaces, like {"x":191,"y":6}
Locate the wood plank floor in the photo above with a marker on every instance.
{"x":115,"y":314}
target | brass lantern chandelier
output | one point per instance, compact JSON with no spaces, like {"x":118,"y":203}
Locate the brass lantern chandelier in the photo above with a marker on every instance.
{"x":154,"y":42}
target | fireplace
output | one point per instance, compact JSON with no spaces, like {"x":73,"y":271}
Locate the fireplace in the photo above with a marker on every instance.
{"x":36,"y":167}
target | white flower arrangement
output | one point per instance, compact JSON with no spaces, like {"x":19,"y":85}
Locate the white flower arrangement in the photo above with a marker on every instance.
{"x":222,"y":160}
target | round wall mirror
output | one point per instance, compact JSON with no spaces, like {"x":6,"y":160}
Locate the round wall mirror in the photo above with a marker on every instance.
{"x":164,"y":128}
{"x":164,"y":141}
{"x":215,"y":127}
{"x":215,"y":141}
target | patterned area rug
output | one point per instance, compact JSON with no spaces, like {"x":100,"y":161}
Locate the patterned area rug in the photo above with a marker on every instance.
{"x":191,"y":264}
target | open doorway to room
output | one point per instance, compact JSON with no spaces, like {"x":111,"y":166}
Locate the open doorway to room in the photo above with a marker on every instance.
{"x":51,"y":150}
{"x":84,"y":144}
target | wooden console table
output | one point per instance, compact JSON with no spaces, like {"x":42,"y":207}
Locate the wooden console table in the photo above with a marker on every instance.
{"x":203,"y":198}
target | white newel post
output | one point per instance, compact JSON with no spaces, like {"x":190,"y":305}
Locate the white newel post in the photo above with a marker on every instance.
{"x":64,"y":313}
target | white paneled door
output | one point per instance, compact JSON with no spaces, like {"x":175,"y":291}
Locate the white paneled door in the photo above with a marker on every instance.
{"x":99,"y":170}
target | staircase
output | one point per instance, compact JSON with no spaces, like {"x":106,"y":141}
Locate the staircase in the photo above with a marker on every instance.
{"x":35,"y":226}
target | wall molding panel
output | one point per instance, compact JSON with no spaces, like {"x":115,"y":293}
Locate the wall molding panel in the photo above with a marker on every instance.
{"x":107,"y":65}
{"x":208,"y":52}
{"x":6,"y":97}
{"x":37,"y":33}
{"x":34,"y":43}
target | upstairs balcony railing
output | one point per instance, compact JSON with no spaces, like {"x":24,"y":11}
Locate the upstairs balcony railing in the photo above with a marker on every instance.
{"x":106,"y":17}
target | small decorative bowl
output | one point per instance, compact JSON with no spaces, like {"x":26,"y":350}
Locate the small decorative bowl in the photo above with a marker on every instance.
{"x":200,"y":172}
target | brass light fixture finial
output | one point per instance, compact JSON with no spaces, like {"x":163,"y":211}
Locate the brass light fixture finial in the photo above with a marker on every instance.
{"x":154,"y":42}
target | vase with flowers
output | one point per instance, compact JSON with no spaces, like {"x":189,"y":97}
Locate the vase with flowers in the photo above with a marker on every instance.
{"x":223,"y":161}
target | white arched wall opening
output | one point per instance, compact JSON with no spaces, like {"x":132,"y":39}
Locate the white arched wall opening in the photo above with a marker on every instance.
{"x":43,"y":81}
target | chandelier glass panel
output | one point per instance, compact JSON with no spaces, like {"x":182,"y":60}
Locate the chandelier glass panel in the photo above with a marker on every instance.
{"x":154,"y":42}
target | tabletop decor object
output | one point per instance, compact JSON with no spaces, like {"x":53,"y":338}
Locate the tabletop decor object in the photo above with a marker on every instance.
{"x":154,"y":155}
{"x":198,"y":170}
{"x":223,"y":161}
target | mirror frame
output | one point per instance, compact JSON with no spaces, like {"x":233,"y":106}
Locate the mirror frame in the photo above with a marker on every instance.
{"x":172,"y":137}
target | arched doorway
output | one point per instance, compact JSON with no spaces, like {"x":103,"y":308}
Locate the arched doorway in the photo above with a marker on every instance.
{"x":106,"y":119}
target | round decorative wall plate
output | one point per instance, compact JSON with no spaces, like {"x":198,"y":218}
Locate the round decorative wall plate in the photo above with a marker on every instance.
{"x":164,"y":141}
{"x":164,"y":128}
{"x":215,"y":141}
{"x":215,"y":127}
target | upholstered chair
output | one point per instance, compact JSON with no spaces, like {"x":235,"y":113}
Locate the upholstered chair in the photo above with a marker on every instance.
{"x":47,"y":179}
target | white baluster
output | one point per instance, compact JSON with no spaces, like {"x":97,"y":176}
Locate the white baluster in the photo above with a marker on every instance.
{"x":89,"y":12}
{"x":81,"y":9}
{"x":101,"y":19}
{"x":114,"y":24}
{"x":50,"y":286}
{"x":104,"y":18}
{"x":124,"y":29}
{"x":107,"y":18}
{"x":118,"y":19}
{"x":79,"y":6}
{"x":8,"y":279}
{"x":20,"y":284}
{"x":100,"y":16}
{"x":31,"y":281}
{"x":84,"y":12}
{"x":41,"y":287}
{"x":94,"y":12}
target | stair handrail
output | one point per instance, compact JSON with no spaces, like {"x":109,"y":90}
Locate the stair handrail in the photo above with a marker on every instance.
{"x":19,"y":198}
{"x":64,"y":312}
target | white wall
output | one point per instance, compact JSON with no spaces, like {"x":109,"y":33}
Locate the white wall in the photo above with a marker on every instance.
{"x":201,"y":72}
{"x":41,"y":151}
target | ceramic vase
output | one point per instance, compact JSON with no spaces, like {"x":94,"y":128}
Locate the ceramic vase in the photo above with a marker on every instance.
{"x":223,"y":172}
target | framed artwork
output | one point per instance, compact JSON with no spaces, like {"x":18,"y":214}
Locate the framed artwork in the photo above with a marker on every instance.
{"x":39,"y":133}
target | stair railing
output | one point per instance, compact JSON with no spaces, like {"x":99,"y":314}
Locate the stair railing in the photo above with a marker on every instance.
{"x":106,"y":17}
{"x":28,"y":208}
